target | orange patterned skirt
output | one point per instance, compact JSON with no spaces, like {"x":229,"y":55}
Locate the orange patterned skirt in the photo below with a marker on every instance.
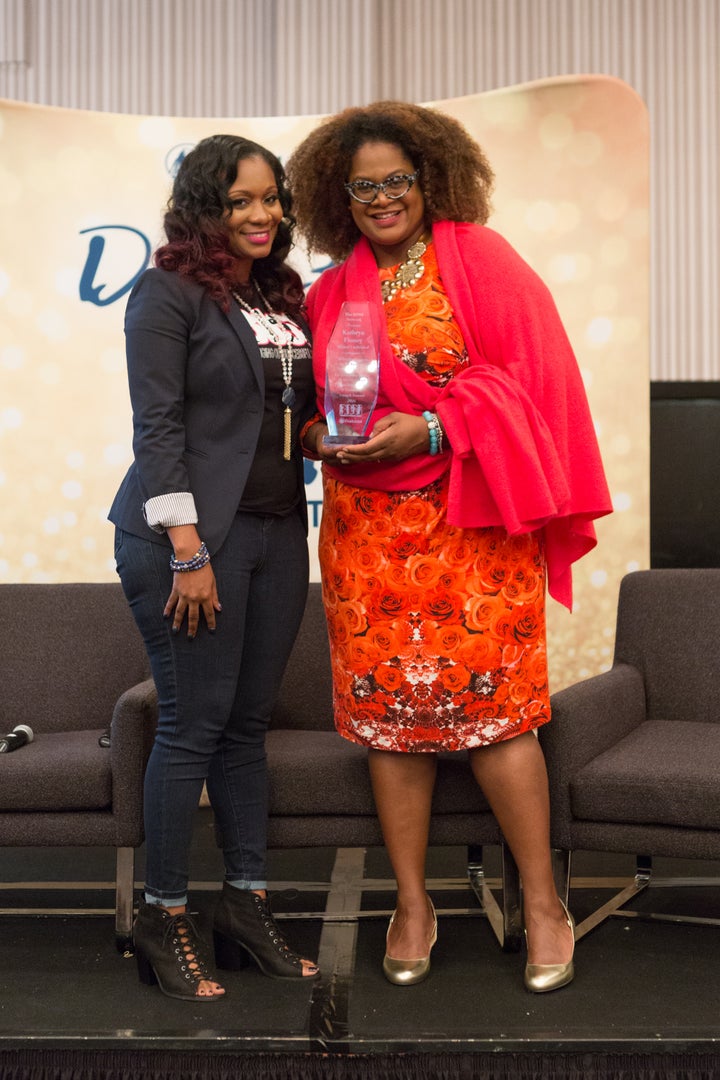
{"x":437,"y":633}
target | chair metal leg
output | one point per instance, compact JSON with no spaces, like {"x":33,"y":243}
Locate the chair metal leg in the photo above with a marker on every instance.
{"x":506,"y":922}
{"x":124,"y":895}
{"x":512,"y":904}
{"x":643,"y":875}
{"x":562,"y":869}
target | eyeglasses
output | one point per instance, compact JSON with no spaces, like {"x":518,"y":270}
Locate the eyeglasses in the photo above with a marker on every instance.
{"x":394,"y":187}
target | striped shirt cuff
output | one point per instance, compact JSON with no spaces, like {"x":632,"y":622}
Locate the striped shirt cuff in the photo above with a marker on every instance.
{"x":176,"y":508}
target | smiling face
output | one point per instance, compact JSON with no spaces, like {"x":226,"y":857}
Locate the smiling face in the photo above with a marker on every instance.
{"x":391,"y":225}
{"x":252,"y":223}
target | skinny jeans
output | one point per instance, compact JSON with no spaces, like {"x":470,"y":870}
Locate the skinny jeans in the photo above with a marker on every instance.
{"x":215,"y":693}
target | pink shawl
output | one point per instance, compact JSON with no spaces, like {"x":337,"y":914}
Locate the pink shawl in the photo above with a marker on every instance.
{"x":524,"y":451}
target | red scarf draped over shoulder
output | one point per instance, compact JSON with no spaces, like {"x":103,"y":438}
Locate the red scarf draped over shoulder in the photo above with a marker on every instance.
{"x":524,"y":451}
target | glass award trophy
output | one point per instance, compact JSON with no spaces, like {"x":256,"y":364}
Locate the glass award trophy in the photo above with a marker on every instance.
{"x":352,"y":373}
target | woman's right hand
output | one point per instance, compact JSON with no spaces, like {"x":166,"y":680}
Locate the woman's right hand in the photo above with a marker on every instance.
{"x":193,"y":591}
{"x":314,"y":442}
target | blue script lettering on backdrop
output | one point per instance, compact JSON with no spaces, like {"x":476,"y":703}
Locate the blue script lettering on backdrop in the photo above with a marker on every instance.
{"x":175,"y":157}
{"x":89,"y":291}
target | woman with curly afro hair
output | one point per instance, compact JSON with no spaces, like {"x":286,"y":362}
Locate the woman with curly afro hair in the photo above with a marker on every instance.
{"x":478,"y":483}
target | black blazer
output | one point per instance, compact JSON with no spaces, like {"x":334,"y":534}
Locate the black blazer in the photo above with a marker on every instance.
{"x":197,"y":389}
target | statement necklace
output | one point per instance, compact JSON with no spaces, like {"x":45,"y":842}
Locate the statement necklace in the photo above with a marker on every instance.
{"x":277,"y":335}
{"x":407,"y":273}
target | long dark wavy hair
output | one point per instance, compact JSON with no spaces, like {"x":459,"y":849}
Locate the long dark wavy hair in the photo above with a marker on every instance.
{"x":198,"y":245}
{"x":455,"y":176}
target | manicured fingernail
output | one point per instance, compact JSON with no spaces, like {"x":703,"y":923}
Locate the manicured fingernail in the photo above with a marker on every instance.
{"x":175,"y":629}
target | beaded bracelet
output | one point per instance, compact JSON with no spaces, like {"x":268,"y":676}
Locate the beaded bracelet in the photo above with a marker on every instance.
{"x":435,"y":432}
{"x":200,"y":558}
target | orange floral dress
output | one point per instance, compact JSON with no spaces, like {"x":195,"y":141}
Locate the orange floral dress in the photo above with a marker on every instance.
{"x":437,"y":633}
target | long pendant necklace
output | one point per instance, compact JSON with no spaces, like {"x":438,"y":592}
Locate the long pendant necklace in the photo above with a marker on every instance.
{"x":285,"y":349}
{"x":407,"y":273}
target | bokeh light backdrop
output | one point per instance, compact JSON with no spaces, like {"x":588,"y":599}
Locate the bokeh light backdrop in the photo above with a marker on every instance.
{"x":81,"y":202}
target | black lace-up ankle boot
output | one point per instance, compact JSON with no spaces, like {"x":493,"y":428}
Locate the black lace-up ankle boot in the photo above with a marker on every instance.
{"x":245,"y":931}
{"x":169,"y":952}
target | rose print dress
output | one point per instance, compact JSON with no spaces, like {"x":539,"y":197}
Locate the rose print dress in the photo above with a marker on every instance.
{"x":438,"y":633}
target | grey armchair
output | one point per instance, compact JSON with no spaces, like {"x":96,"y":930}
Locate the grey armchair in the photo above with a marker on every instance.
{"x":634,"y":754}
{"x":73,"y":665}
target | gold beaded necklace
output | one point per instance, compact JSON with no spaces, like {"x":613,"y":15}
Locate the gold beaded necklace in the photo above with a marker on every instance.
{"x":407,"y":273}
{"x":276,"y":334}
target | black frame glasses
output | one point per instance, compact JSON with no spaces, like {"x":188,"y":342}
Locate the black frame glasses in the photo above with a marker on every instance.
{"x":368,"y":186}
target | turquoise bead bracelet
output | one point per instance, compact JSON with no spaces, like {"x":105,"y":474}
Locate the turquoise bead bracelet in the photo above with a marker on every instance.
{"x":434,"y":431}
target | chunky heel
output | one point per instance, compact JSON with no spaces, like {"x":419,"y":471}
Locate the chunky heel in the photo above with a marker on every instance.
{"x":245,"y":930}
{"x":169,"y":953}
{"x":145,"y":970}
{"x":230,"y":955}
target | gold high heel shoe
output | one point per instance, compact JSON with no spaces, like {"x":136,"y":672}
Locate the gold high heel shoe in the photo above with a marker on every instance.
{"x":543,"y":977}
{"x":409,"y":972}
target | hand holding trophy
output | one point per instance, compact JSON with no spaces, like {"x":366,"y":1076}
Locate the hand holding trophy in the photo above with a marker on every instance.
{"x":352,"y":373}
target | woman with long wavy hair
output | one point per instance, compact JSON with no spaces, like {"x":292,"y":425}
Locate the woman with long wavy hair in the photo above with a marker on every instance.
{"x":211,"y":547}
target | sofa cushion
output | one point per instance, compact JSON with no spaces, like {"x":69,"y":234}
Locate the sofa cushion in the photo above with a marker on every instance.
{"x":305,"y":699}
{"x":663,"y":773}
{"x":68,"y":652}
{"x":319,"y":772}
{"x":456,"y":789}
{"x":58,"y":771}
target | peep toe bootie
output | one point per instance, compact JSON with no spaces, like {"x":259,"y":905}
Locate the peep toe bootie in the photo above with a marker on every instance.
{"x":543,"y":977}
{"x":245,"y":931}
{"x":168,"y":952}
{"x":409,"y":972}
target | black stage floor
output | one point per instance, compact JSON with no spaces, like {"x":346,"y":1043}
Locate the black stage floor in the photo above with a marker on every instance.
{"x":645,"y":1002}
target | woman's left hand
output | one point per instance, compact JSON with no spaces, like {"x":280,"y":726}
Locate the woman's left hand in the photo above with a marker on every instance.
{"x":396,"y":437}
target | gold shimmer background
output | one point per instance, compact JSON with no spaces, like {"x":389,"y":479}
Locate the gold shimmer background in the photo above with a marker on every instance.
{"x":571,"y":159}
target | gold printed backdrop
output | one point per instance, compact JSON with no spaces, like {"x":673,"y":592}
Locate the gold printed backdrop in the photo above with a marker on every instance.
{"x":81,"y":202}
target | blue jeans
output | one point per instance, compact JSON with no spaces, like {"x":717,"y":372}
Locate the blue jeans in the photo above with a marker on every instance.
{"x":216,"y":693}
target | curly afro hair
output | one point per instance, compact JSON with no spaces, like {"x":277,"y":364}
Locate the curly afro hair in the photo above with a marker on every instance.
{"x":455,"y":176}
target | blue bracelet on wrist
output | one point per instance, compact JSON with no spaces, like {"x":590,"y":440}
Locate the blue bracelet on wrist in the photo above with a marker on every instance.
{"x":434,"y":432}
{"x":200,"y":558}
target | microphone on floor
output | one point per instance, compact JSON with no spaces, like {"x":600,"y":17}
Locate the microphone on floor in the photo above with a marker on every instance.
{"x":18,"y":737}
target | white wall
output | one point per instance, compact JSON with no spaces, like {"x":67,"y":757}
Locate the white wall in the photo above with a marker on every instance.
{"x":285,"y":57}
